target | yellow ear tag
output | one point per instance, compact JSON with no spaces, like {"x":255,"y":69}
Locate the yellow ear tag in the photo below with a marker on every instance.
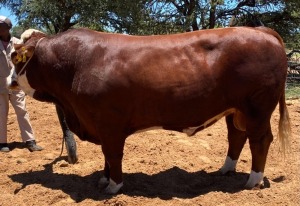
{"x":24,"y":54}
{"x":19,"y":58}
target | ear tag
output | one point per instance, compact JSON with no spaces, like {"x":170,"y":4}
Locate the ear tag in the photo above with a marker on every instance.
{"x":19,"y":58}
{"x":24,"y":54}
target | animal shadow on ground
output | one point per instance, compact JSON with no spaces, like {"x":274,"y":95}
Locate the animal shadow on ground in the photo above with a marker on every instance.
{"x":174,"y":182}
{"x":16,"y":145}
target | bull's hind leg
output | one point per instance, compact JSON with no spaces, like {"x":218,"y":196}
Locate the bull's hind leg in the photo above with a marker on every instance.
{"x":260,"y":137}
{"x":236,"y":141}
{"x":104,"y":180}
{"x":112,"y":149}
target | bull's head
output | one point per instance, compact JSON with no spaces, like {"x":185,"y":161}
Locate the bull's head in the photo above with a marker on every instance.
{"x":21,"y":55}
{"x":20,"y":58}
{"x":23,"y":52}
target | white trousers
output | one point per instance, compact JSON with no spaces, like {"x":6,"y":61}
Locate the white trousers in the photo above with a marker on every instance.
{"x":17,"y":100}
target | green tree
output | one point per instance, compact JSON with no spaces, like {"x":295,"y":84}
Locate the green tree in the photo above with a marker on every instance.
{"x":157,"y":16}
{"x":282,"y":16}
{"x":57,"y":16}
{"x":170,"y":16}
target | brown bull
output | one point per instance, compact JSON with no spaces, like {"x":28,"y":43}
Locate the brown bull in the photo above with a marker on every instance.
{"x":110,"y":86}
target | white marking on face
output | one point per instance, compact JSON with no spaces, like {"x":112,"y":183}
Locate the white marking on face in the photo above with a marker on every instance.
{"x":25,"y":86}
{"x":191,"y":130}
{"x":229,"y":165}
{"x":255,"y":178}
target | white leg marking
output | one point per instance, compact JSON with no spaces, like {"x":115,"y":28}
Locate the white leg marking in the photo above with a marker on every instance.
{"x":113,"y":187}
{"x":25,"y":86}
{"x":229,"y":165}
{"x":103,"y":182}
{"x":255,"y":178}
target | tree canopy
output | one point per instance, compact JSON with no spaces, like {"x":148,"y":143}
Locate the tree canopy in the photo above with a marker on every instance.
{"x":157,"y":16}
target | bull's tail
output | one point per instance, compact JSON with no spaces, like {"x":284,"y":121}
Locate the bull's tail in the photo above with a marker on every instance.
{"x":284,"y":127}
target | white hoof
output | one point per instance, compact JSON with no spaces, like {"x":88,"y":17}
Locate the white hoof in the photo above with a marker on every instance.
{"x":113,"y":188}
{"x":103,"y":182}
{"x":255,"y":179}
{"x":228,"y":166}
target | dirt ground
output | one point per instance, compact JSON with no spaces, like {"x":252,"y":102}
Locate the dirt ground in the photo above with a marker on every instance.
{"x":160,"y":168}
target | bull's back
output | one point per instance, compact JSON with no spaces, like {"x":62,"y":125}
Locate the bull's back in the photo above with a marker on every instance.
{"x":190,"y":58}
{"x":197,"y":64}
{"x":178,"y":77}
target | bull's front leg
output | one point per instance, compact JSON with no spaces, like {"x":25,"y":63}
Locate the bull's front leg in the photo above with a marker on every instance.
{"x":113,"y":153}
{"x":68,"y":137}
{"x":236,"y":141}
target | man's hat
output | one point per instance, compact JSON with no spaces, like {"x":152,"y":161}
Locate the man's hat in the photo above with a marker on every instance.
{"x":4,"y":19}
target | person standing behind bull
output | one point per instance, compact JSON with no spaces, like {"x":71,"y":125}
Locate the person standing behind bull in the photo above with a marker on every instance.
{"x":16,"y":96}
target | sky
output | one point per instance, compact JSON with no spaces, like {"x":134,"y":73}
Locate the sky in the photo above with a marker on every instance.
{"x":7,"y":13}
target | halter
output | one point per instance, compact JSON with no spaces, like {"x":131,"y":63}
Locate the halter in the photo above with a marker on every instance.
{"x":23,"y":68}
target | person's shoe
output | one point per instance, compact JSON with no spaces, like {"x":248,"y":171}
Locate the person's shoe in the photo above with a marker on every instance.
{"x":32,"y":146}
{"x":4,"y":147}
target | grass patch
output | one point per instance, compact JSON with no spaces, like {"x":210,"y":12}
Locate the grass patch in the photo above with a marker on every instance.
{"x":292,"y":91}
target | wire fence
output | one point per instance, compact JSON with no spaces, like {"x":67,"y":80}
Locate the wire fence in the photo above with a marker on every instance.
{"x":293,"y":76}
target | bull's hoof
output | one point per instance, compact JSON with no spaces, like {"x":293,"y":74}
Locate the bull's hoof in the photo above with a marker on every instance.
{"x":103,"y":182}
{"x":113,"y":188}
{"x":228,"y":173}
{"x":72,"y":159}
{"x":229,"y":166}
{"x":258,"y":186}
{"x":71,"y":148}
{"x":255,"y":180}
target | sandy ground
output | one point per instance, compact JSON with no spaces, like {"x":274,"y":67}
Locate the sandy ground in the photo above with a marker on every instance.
{"x":160,"y":168}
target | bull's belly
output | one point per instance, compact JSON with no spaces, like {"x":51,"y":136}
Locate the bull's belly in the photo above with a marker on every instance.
{"x":190,"y":131}
{"x":193,"y":130}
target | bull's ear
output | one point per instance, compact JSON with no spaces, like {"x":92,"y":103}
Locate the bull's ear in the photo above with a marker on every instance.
{"x":18,"y":46}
